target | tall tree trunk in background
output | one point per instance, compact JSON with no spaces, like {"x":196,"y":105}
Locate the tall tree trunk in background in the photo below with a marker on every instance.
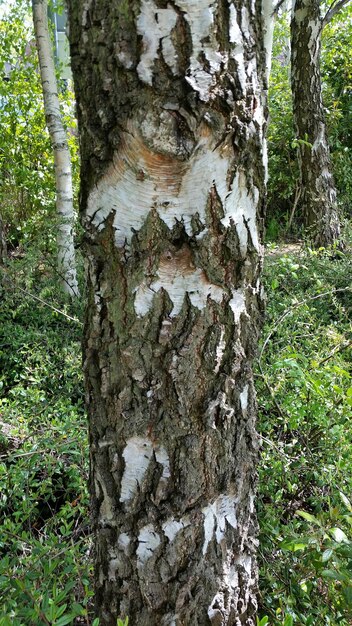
{"x":172,"y":114}
{"x":62,"y":160}
{"x":318,"y":192}
{"x":3,"y":247}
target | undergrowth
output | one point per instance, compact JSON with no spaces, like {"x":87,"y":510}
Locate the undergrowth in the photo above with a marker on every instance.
{"x":44,"y":528}
{"x":304,"y":394}
{"x":304,"y":386}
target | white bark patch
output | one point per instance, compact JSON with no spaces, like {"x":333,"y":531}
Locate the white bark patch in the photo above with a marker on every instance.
{"x":200,"y":17}
{"x":219,"y":605}
{"x":268,"y":20}
{"x":123,"y":542}
{"x":148,"y":541}
{"x":216,"y":515}
{"x":140,"y":180}
{"x":177,"y":282}
{"x":241,"y":204}
{"x":171,"y":527}
{"x":155,"y":26}
{"x":314,"y":43}
{"x":220,"y":349}
{"x":137,"y":455}
{"x":237,"y":39}
{"x":320,"y":140}
{"x":238,"y":304}
{"x":244,"y":399}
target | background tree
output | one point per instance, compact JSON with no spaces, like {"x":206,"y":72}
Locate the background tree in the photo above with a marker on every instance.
{"x":317,"y":197}
{"x":3,"y":248}
{"x":171,"y":105}
{"x":62,"y":161}
{"x":284,"y":184}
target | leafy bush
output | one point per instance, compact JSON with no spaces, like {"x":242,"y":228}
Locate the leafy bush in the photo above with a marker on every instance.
{"x":45,"y":571}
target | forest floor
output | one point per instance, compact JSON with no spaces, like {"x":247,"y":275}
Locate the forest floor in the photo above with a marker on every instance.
{"x":304,"y":386}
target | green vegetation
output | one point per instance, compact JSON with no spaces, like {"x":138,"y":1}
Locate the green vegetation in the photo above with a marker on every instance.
{"x":304,"y":386}
{"x":304,"y":376}
{"x":27,"y":181}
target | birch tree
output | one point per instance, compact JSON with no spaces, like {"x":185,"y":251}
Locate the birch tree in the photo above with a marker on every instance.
{"x":62,"y":161}
{"x":317,"y":197}
{"x":172,"y":114}
{"x":3,"y":247}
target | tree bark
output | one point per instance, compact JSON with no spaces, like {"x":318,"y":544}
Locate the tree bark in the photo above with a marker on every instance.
{"x":62,"y":160}
{"x":172,"y":114}
{"x":318,"y":193}
{"x":3,"y":247}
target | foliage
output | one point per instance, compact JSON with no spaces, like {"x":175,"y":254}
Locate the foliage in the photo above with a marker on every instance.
{"x":305,"y":398}
{"x":44,"y":530}
{"x":27,"y":181}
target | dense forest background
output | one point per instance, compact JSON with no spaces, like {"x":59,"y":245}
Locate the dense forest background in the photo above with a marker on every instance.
{"x":303,"y":370}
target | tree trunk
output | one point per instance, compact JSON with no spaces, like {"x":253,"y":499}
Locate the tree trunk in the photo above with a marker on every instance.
{"x":318,"y":192}
{"x":62,"y":160}
{"x":3,"y":247}
{"x":172,"y":113}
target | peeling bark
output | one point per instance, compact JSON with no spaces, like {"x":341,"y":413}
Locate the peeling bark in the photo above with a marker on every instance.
{"x":172,"y":114}
{"x":318,"y":193}
{"x":62,"y":160}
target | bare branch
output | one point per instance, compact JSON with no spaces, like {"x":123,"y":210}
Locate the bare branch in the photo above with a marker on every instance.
{"x":277,"y":7}
{"x":335,"y":8}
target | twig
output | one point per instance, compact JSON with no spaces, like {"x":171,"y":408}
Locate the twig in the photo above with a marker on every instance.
{"x":50,"y":306}
{"x":295,"y":203}
{"x":341,"y":346}
{"x":271,"y":392}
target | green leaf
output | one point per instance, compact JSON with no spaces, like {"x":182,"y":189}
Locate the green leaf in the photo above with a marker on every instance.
{"x":347,"y":594}
{"x":308,"y":517}
{"x":327,"y":554}
{"x":339,"y":535}
{"x":334,"y":575}
{"x":346,"y":501}
{"x":65,"y":619}
{"x":263,"y":622}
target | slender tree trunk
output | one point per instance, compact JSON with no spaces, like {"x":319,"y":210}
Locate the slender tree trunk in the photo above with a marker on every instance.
{"x":318,"y":192}
{"x":172,"y":114}
{"x":62,"y":160}
{"x":3,"y":247}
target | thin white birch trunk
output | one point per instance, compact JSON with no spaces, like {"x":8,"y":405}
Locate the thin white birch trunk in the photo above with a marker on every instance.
{"x":62,"y":161}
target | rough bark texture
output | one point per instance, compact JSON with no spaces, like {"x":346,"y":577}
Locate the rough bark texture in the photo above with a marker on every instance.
{"x":62,"y":159}
{"x":318,"y":192}
{"x":171,"y":106}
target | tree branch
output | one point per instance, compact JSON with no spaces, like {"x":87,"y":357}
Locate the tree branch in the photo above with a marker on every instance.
{"x":335,"y":8}
{"x":277,"y":6}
